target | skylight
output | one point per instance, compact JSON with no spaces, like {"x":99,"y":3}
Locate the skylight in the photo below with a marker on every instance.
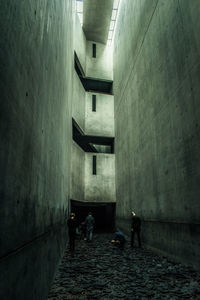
{"x":113,"y":21}
{"x":79,"y":10}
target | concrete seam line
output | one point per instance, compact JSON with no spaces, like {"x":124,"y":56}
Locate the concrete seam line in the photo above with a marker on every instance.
{"x":122,"y":93}
{"x":14,"y":251}
{"x":173,"y":222}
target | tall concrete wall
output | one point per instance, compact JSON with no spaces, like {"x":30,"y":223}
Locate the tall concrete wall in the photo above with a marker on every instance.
{"x":36,"y":62}
{"x":101,"y":121}
{"x":100,"y":187}
{"x":77,"y":189}
{"x":157,"y":113}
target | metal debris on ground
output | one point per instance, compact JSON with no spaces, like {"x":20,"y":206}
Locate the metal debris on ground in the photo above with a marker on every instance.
{"x":99,"y":270}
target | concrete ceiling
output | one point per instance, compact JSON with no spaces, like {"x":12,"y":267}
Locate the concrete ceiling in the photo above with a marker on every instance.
{"x":96,"y":19}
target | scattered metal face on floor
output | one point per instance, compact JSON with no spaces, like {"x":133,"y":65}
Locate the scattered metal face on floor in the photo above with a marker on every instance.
{"x":101,"y":271}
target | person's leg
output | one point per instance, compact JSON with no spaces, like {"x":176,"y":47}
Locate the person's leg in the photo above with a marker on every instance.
{"x":87,"y":234}
{"x":91,"y":234}
{"x":139,"y":239}
{"x":84,"y":233}
{"x":70,"y":242}
{"x":132,"y":238}
{"x":73,"y":243}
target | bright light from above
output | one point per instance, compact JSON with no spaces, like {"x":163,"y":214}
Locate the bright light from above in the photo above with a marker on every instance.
{"x":79,"y":10}
{"x":113,"y":21}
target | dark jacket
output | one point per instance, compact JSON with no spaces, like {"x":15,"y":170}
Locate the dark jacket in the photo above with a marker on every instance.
{"x":136,"y":223}
{"x":72,"y":224}
{"x":119,"y":236}
{"x":89,"y":222}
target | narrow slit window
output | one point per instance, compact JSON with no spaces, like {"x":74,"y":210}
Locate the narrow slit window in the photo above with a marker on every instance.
{"x":93,"y":102}
{"x":94,"y":165}
{"x":94,"y":50}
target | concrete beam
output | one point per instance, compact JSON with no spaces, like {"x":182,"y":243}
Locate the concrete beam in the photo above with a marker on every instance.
{"x":96,"y":19}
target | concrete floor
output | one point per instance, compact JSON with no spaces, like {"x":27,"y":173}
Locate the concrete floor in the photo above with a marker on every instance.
{"x":99,"y":270}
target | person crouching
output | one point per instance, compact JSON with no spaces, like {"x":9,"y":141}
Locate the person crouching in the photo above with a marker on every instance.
{"x":119,"y":239}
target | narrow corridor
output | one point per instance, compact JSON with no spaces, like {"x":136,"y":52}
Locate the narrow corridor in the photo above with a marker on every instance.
{"x":99,"y":270}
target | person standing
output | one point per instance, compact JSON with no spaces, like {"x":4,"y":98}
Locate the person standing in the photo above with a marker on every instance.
{"x":89,"y":223}
{"x":72,"y":225}
{"x":135,"y":228}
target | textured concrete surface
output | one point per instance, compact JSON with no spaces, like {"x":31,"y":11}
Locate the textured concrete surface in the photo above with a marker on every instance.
{"x":96,"y":19}
{"x":157,"y":113}
{"x":101,"y":121}
{"x":101,"y":66}
{"x":177,"y":233}
{"x":77,"y":179}
{"x":77,"y":190}
{"x":101,"y":271}
{"x":79,"y":42}
{"x":36,"y":63}
{"x":28,"y":273}
{"x":79,"y":101}
{"x":100,"y":187}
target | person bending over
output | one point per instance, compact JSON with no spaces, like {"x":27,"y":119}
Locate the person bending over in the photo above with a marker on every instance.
{"x":119,"y":239}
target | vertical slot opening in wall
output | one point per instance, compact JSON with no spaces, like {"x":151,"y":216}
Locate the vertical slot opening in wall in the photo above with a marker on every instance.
{"x":93,"y":102}
{"x":94,"y":50}
{"x":94,"y":165}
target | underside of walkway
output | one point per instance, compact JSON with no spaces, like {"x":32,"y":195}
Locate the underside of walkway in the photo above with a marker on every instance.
{"x":99,"y":270}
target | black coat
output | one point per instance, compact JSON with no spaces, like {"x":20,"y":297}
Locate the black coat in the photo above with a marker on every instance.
{"x":72,"y":224}
{"x":136,"y":223}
